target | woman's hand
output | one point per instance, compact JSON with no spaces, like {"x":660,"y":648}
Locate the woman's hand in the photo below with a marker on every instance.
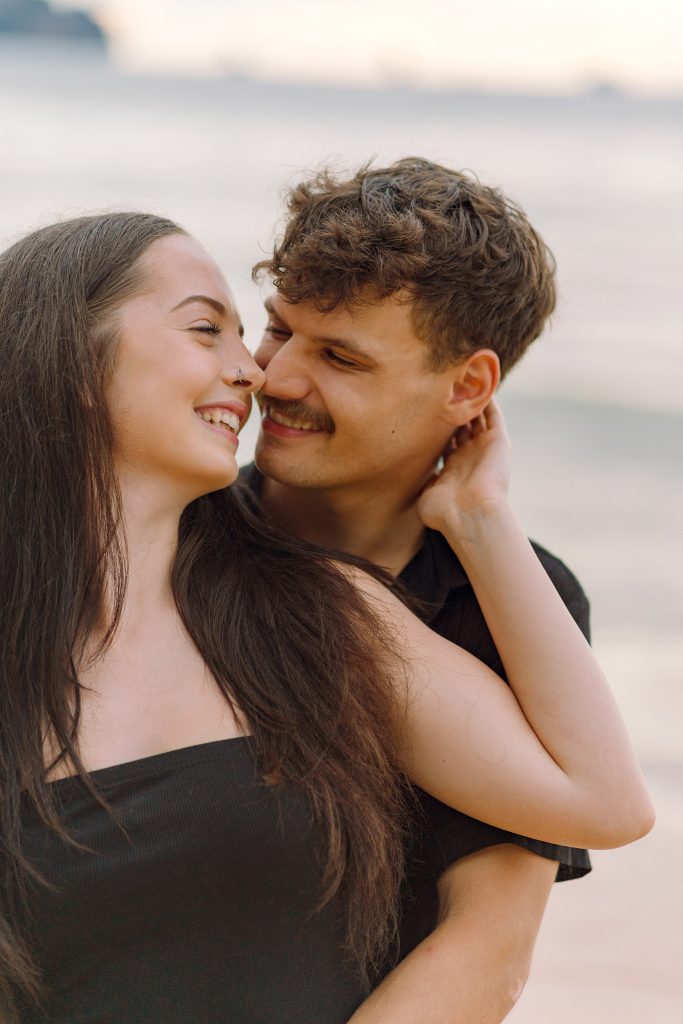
{"x":475,"y":476}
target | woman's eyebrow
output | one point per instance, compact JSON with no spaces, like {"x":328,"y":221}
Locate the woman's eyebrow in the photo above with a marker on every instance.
{"x":214,"y":303}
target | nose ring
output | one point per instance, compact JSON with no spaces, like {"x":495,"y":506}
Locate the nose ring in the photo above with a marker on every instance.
{"x":240,"y":378}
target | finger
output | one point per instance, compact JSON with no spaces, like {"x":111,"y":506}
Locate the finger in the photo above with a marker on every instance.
{"x":494,"y":416}
{"x":478,"y":425}
{"x":462,"y":435}
{"x":450,"y":446}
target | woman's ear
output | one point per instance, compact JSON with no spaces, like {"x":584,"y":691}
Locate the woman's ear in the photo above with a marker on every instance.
{"x":475,"y":380}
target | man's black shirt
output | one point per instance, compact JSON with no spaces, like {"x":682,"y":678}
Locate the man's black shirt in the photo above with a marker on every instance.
{"x":442,"y":835}
{"x":436,"y":577}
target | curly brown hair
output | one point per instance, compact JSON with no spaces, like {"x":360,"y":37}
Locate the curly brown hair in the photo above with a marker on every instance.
{"x":477,"y":273}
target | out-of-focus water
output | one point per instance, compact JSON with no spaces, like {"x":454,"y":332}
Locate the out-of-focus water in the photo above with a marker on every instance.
{"x":595,"y":409}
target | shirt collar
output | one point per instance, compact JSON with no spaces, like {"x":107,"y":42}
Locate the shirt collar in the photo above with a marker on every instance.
{"x":431,"y":573}
{"x":434,"y":571}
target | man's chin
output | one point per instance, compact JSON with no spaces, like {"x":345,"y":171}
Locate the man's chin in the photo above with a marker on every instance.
{"x":291,"y":470}
{"x":278,"y":465}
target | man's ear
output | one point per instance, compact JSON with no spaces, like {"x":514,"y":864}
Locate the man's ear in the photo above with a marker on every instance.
{"x":474,"y":383}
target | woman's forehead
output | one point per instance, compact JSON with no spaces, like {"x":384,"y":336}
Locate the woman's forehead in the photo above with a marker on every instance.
{"x":178,"y":266}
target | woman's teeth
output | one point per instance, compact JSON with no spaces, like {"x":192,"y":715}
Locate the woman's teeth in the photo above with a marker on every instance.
{"x":230,"y":419}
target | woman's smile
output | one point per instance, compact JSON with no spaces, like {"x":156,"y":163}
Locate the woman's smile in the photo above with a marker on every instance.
{"x":224,"y":419}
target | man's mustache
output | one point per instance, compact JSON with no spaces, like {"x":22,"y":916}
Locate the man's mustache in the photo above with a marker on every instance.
{"x":296,"y":410}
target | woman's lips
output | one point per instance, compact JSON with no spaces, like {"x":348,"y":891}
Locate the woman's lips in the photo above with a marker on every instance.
{"x":225,"y":432}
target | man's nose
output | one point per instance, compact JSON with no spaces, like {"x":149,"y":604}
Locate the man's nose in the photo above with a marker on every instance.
{"x":285,"y":373}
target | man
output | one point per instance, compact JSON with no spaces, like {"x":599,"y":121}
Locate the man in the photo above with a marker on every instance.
{"x":403,"y":295}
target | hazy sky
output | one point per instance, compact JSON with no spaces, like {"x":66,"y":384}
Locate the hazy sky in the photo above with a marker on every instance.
{"x":536,"y":44}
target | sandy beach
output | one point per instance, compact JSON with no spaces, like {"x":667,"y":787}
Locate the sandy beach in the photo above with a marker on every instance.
{"x":587,"y":483}
{"x":611,"y":946}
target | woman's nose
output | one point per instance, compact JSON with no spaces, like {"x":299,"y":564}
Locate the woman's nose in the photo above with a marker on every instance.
{"x":246,"y":374}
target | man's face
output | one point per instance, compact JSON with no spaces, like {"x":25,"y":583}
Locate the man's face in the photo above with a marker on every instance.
{"x":348,"y":398}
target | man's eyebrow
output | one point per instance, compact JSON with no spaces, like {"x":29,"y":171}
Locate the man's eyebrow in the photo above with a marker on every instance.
{"x":214,"y":303}
{"x":271,"y":310}
{"x":348,"y":344}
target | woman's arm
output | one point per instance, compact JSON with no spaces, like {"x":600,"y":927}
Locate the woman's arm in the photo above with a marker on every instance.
{"x":555,"y":763}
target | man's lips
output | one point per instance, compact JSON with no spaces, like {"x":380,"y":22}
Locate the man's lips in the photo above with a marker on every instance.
{"x":299,"y":420}
{"x":280,"y":430}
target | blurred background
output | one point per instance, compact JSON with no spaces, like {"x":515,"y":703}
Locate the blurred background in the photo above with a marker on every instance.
{"x":204,"y":110}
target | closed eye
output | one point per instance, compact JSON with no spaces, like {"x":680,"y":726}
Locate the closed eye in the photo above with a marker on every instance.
{"x":207,"y":328}
{"x":281,"y":333}
{"x":334,"y":358}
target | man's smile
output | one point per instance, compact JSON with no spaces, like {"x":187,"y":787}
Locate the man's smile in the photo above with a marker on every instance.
{"x":293,"y":419}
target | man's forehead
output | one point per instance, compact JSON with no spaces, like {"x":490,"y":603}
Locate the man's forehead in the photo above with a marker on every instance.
{"x":367,"y":313}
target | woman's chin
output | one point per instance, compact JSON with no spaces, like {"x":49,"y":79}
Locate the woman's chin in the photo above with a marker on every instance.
{"x":223,"y":476}
{"x":204,"y":480}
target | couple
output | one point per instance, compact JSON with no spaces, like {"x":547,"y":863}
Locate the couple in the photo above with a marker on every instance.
{"x":220,"y":725}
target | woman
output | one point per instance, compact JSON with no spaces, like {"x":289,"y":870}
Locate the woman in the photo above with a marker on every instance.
{"x":205,"y":727}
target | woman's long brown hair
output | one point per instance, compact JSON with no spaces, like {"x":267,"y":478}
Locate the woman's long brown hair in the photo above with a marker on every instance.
{"x":288,"y":638}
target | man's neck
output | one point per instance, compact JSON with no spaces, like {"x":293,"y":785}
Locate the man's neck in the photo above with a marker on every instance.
{"x":382,"y":528}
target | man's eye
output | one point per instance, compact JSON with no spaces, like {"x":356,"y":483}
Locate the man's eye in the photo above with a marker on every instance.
{"x":278,"y":332}
{"x":334,"y":358}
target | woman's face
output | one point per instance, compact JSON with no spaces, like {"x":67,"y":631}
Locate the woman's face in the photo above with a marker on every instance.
{"x":182,"y":381}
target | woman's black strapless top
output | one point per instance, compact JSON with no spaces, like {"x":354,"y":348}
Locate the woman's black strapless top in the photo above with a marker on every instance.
{"x":202,"y":912}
